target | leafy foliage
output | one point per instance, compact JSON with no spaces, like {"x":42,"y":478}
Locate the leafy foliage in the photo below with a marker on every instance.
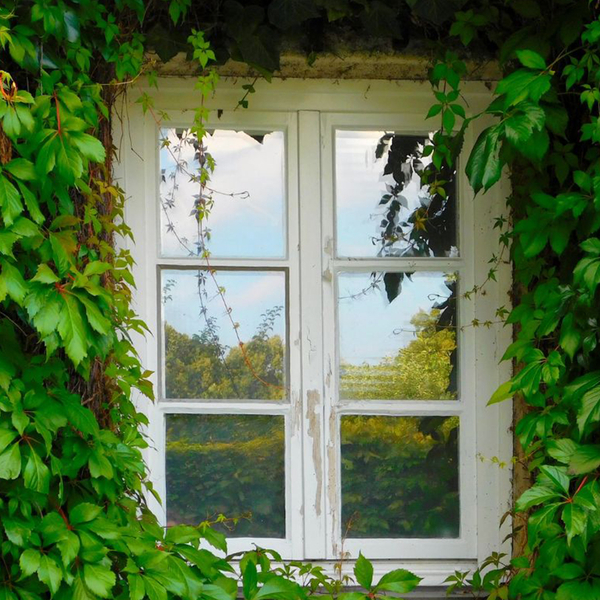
{"x":544,"y":132}
{"x":73,"y":516}
{"x":73,"y":520}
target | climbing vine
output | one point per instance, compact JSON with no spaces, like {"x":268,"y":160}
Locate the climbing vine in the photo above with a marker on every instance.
{"x":546,"y":136}
{"x":73,"y":521}
{"x":73,"y":517}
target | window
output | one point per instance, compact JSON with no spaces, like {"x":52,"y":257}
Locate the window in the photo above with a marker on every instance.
{"x":352,"y":418}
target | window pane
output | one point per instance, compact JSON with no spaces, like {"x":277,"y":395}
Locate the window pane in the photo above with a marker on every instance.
{"x":406,"y":346}
{"x":382,"y":209}
{"x":202,"y":355}
{"x":400,"y":477}
{"x":227,"y":464}
{"x":247,"y":190}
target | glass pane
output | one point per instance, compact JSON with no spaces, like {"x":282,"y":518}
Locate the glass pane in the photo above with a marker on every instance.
{"x":381,"y":207}
{"x":400,"y":477}
{"x":227,"y":464}
{"x":246,"y":194}
{"x":202,"y":355}
{"x":407,"y":346}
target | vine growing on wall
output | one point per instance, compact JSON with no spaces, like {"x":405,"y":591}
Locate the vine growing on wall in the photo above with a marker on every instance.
{"x":73,"y":521}
{"x":73,"y":516}
{"x":545,"y":134}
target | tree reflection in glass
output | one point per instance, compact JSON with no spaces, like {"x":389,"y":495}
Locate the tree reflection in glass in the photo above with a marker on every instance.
{"x":400,"y":477}
{"x":227,"y":464}
{"x":383,"y":208}
{"x":407,"y":348}
{"x":202,"y":357}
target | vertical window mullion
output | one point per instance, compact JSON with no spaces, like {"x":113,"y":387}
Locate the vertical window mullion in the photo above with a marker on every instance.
{"x":332,"y":442}
{"x":315,"y":477}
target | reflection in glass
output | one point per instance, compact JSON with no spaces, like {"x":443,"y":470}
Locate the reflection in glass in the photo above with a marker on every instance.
{"x":381,"y":206}
{"x":400,"y":477}
{"x":202,"y":355}
{"x":227,"y":464}
{"x":245,"y":196}
{"x":407,"y":346}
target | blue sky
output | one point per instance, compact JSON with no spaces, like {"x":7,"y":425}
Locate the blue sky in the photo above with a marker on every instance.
{"x":247,"y":225}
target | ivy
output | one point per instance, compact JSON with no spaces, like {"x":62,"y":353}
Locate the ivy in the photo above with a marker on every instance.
{"x":73,"y":521}
{"x":544,"y":135}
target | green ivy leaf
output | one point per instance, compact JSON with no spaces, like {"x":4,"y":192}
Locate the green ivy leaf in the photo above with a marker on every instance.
{"x":399,"y":581}
{"x":7,"y":240}
{"x":363,"y":571}
{"x":69,"y":547}
{"x":84,"y":513}
{"x":484,"y":166}
{"x":570,"y":337}
{"x":578,"y":590}
{"x":531,"y":59}
{"x":568,"y":571}
{"x":249,"y":580}
{"x":154,"y":590}
{"x":535,"y":495}
{"x":36,"y":474}
{"x":29,"y":561}
{"x":561,"y":450}
{"x":504,"y":392}
{"x":45,"y":275}
{"x":99,"y":579}
{"x":585,"y":460}
{"x":523,"y":84}
{"x":575,"y":519}
{"x":557,"y":476}
{"x":80,"y":590}
{"x":278,"y":588}
{"x":6,"y":437}
{"x":137,"y":589}
{"x":62,"y":250}
{"x":89,"y":146}
{"x":100,"y":465}
{"x":72,"y":329}
{"x":590,"y":409}
{"x":10,"y":462}
{"x":50,"y":573}
{"x":10,"y":201}
{"x":21,"y":168}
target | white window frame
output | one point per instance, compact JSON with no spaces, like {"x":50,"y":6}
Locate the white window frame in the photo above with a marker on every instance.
{"x":309,"y":111}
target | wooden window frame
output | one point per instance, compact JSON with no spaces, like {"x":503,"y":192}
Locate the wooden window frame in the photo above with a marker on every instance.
{"x":309,"y":112}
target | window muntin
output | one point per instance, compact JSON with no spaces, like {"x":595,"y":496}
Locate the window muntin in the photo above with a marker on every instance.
{"x":246,"y":195}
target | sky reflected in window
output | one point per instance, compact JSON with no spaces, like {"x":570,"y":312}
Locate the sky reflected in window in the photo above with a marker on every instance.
{"x":247,"y":188}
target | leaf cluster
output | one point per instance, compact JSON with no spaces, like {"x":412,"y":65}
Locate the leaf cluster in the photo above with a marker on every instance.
{"x":544,"y":136}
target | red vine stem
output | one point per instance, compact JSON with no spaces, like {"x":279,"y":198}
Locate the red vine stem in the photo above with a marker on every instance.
{"x":583,"y":482}
{"x":58,"y":124}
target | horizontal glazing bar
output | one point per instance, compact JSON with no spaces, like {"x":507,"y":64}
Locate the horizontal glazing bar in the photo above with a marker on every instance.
{"x":223,"y":407}
{"x":398,"y":264}
{"x":403,"y":407}
{"x":221,"y":263}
